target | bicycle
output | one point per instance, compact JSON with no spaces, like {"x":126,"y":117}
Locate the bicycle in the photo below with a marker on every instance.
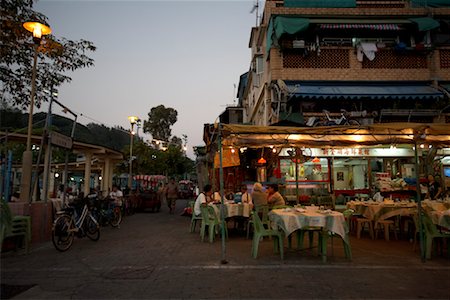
{"x":70,"y":222}
{"x":342,"y":120}
{"x":107,"y":212}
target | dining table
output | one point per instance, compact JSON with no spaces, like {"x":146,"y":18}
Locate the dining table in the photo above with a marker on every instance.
{"x":290,"y":220}
{"x":378,"y":211}
{"x":232,"y":209}
{"x":439,"y":212}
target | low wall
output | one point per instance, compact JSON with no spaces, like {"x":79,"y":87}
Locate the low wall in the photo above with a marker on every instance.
{"x":41,"y":218}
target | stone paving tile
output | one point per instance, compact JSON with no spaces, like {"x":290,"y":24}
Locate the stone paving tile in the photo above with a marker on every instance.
{"x":153,"y":256}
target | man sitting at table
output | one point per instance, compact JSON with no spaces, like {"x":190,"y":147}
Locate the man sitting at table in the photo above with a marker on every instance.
{"x":202,"y":199}
{"x":246,"y":198}
{"x":274,"y":198}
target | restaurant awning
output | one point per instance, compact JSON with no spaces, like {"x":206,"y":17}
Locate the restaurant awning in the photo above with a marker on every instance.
{"x":361,"y":26}
{"x":329,"y":136}
{"x":322,"y":90}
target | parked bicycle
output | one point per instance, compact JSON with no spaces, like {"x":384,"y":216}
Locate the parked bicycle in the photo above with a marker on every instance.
{"x":342,"y":120}
{"x":106,"y":212}
{"x":72,"y":221}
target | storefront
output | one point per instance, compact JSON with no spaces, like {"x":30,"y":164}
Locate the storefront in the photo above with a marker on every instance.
{"x":348,"y":171}
{"x":339,"y":160}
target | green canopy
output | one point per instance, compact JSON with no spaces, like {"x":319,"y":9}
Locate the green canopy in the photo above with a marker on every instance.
{"x":425,"y":24}
{"x":280,"y":25}
{"x":321,"y":3}
{"x":429,"y":3}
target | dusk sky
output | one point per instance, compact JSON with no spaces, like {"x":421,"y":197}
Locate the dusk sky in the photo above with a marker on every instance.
{"x":183,"y":54}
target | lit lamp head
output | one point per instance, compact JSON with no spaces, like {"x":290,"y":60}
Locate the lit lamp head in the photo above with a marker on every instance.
{"x":38,"y":30}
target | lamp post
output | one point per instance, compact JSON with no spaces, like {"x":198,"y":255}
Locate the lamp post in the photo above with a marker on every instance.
{"x":38,"y":31}
{"x":133,"y":120}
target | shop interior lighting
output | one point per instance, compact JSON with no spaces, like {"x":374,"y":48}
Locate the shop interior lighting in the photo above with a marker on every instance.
{"x":261,"y":161}
{"x":243,"y":149}
{"x":233,"y":150}
{"x":274,"y":150}
{"x":422,"y":146}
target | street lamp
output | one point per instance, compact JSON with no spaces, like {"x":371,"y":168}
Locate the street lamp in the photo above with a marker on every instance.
{"x":133,"y":120}
{"x":38,"y":30}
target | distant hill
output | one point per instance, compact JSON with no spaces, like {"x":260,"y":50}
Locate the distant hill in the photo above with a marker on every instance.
{"x":114,"y":138}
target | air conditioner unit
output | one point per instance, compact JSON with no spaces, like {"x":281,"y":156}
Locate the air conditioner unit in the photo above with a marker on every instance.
{"x":298,"y":44}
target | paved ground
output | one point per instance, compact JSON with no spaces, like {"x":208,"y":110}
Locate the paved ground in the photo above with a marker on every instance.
{"x":152,"y":255}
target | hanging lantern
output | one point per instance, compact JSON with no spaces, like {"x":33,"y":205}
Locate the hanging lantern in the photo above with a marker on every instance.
{"x":262,"y":161}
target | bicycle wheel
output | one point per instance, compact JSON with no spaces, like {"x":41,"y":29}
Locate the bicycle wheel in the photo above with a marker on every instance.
{"x":116,"y":217}
{"x":91,"y":228}
{"x":353,"y":122}
{"x":63,"y":233}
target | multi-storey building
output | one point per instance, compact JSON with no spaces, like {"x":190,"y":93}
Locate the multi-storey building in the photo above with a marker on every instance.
{"x":382,"y":60}
{"x":372,"y":61}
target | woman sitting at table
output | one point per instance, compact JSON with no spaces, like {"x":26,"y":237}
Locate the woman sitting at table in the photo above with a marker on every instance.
{"x":434,"y":188}
{"x":202,"y":199}
{"x":258,"y":196}
{"x":274,"y":197}
{"x":246,"y":198}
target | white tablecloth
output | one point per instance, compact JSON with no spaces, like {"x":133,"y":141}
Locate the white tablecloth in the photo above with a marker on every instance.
{"x":234,"y":209}
{"x":291,"y":220}
{"x":376,"y":211}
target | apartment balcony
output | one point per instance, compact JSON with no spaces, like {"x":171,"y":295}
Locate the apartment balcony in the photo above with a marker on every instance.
{"x":344,"y":63}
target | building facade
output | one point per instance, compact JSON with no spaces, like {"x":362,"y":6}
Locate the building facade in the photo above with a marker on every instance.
{"x":381,"y":61}
{"x":349,"y":62}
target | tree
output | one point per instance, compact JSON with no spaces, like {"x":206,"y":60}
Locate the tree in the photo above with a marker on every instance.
{"x":55,"y":56}
{"x":160,"y":119}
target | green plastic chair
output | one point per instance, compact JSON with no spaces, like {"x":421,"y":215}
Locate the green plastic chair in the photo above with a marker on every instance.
{"x":210,"y":220}
{"x":263,"y":211}
{"x":14,"y":226}
{"x":432,"y":232}
{"x":260,"y":232}
{"x":194,"y":218}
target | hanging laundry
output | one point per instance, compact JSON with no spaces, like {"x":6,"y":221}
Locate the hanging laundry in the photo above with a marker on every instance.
{"x":369,"y":50}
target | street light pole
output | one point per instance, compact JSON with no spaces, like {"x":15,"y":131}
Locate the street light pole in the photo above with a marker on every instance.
{"x":133,"y":121}
{"x":38,"y":30}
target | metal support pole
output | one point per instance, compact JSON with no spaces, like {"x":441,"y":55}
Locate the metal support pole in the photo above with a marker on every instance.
{"x":48,"y":156}
{"x":7,"y":189}
{"x":27,"y":157}
{"x":419,"y":204}
{"x":296,"y":181}
{"x":130,"y":176}
{"x":222,"y":206}
{"x":66,"y":159}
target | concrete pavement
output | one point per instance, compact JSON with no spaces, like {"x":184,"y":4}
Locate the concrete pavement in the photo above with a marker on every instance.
{"x":153,"y":256}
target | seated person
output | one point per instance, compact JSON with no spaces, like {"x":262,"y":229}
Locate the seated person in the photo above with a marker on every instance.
{"x":274,"y":198}
{"x":216,"y":198}
{"x":246,"y":198}
{"x":116,"y":196}
{"x":202,"y":199}
{"x":259,"y":197}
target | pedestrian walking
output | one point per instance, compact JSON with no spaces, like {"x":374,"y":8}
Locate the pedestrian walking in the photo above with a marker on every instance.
{"x":171,"y":195}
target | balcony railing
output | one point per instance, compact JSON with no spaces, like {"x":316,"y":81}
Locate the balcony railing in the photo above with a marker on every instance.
{"x":340,"y":58}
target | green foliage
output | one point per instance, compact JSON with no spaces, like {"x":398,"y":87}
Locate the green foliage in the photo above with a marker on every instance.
{"x":160,"y":119}
{"x":55,"y":56}
{"x":150,"y":161}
